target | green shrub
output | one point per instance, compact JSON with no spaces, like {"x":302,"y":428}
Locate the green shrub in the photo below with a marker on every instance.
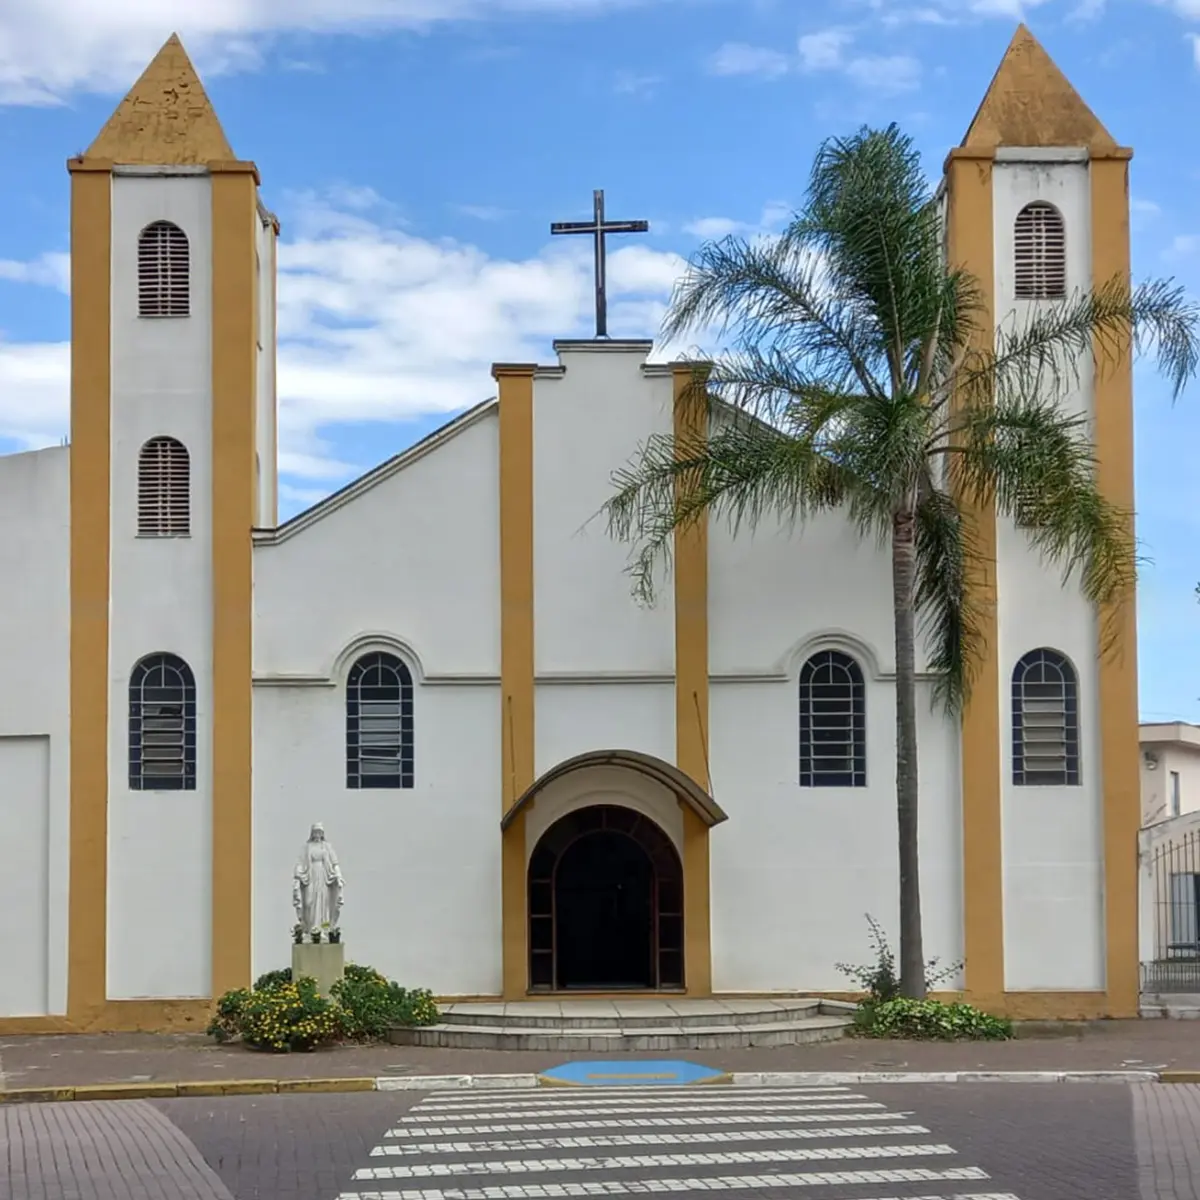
{"x":881,"y":981}
{"x":281,"y":1014}
{"x":273,"y":979}
{"x":289,"y":1016}
{"x":371,"y":1004}
{"x":929,"y":1020}
{"x":226,"y":1023}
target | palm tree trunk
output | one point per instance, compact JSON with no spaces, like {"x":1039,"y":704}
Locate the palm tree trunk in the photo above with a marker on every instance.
{"x":904,"y":554}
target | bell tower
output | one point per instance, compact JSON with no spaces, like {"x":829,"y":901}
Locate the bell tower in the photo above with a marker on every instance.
{"x":172,"y":466}
{"x":1037,"y":211}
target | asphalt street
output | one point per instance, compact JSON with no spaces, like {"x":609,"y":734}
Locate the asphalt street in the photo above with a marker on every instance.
{"x":990,"y":1141}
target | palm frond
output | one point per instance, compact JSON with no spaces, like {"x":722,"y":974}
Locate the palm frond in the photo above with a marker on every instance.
{"x":740,"y":471}
{"x":947,"y":605}
{"x":1036,"y":463}
{"x":1046,"y":352}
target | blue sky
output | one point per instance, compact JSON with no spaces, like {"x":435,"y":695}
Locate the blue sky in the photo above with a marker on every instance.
{"x":417,"y":151}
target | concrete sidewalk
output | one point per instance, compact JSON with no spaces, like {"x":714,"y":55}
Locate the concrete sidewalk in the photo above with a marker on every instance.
{"x":71,"y":1061}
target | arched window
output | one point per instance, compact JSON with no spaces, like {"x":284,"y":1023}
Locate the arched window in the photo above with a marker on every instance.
{"x":1040,"y":253}
{"x":833,"y":722}
{"x":379,"y":723}
{"x":163,"y":271}
{"x":1045,"y":717}
{"x":164,"y":489}
{"x":162,"y":725}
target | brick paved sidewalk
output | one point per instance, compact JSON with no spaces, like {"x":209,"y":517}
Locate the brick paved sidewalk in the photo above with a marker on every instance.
{"x":77,"y":1060}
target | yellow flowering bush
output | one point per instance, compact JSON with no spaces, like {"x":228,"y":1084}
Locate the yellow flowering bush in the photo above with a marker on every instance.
{"x":281,"y":1014}
{"x":289,"y":1016}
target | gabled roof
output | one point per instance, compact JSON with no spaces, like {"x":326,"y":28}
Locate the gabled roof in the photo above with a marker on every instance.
{"x":1031,"y":103}
{"x":165,"y":120}
{"x":375,"y":476}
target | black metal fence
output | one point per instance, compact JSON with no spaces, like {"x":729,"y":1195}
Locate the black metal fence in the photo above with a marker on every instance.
{"x":1175,"y":966}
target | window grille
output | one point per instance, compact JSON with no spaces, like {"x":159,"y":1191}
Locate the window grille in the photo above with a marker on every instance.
{"x":1040,"y":251}
{"x":379,"y":723}
{"x":163,"y":269}
{"x":162,"y":725}
{"x":833,"y":722}
{"x":1045,"y":719}
{"x":164,"y":488}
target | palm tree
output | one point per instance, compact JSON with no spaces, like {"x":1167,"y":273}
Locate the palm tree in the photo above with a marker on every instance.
{"x":857,"y":380}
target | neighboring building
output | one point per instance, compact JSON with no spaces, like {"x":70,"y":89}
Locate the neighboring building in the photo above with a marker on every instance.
{"x":1170,"y":770}
{"x":1169,"y":852}
{"x":532,"y":782}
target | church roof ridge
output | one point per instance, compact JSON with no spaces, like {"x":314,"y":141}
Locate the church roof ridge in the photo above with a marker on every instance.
{"x":1031,"y":103}
{"x":166,"y":118}
{"x":375,"y":476}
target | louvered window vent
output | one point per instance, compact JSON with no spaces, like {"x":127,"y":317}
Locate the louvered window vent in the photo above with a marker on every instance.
{"x":164,"y":499}
{"x":163,"y":270}
{"x":1040,"y":250}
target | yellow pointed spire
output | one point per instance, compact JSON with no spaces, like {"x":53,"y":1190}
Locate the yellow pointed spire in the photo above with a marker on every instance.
{"x":1031,"y":103}
{"x":166,"y":120}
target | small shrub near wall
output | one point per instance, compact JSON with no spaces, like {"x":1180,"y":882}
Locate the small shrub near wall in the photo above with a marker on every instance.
{"x":279,"y":1014}
{"x":884,"y":1013}
{"x":930,"y":1020}
{"x":371,"y":1004}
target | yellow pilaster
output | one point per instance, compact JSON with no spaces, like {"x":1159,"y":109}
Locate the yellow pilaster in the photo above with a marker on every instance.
{"x":691,"y":694}
{"x":971,"y":246}
{"x":234,"y":345}
{"x":1119,"y":750}
{"x":91,"y":418}
{"x":515,"y":400}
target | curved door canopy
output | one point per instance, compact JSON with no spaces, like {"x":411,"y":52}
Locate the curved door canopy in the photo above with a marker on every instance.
{"x":605,"y":904}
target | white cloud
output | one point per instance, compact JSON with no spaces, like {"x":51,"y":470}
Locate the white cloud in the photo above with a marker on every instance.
{"x":634,"y":83}
{"x":830,"y":50}
{"x":482,"y":212}
{"x":49,"y":48}
{"x":378,"y":324}
{"x":738,"y":58}
{"x":886,"y":73}
{"x":49,"y":270}
{"x":775,"y":215}
{"x":823,"y":51}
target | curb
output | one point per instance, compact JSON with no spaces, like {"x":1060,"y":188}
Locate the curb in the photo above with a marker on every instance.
{"x":523,"y":1082}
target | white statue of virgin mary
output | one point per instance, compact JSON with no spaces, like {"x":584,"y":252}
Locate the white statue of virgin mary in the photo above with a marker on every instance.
{"x":317,"y":884}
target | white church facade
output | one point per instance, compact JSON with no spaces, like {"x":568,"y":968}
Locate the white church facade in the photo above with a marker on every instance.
{"x":534,"y":784}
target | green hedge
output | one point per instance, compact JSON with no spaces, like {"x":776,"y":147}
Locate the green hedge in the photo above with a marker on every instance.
{"x":281,"y":1014}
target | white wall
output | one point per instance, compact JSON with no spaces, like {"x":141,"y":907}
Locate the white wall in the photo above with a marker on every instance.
{"x":410,"y":565}
{"x":795,"y":870}
{"x":159,"y":864}
{"x":1053,"y":836}
{"x":34,"y":741}
{"x":422,"y":864}
{"x":266,"y":514}
{"x":587,"y":425}
{"x":571,"y":719}
{"x":25,"y":819}
{"x":416,"y":556}
{"x":1172,"y":759}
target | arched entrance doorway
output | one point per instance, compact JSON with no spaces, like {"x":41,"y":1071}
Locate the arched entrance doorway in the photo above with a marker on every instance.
{"x":605,"y":904}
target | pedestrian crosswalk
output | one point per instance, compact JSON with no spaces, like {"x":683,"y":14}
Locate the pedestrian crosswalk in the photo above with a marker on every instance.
{"x":829,"y":1142}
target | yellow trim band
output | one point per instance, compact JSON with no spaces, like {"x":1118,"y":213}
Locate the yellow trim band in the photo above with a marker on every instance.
{"x":91,"y":427}
{"x":234,"y":370}
{"x":1118,"y":697}
{"x":515,"y":402}
{"x":691,"y":696}
{"x":972,"y":245}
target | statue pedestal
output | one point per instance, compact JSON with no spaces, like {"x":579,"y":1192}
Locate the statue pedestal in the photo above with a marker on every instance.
{"x":323,"y":961}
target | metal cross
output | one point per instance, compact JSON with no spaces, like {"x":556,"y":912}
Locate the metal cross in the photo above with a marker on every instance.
{"x":598,"y":228}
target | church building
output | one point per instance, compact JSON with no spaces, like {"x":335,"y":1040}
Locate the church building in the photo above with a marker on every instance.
{"x":534,"y":784}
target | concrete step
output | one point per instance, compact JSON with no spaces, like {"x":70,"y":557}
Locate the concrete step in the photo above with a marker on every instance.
{"x":608,"y":1039}
{"x":630,"y":1015}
